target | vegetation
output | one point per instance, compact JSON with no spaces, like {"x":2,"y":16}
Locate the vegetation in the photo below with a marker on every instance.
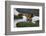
{"x":18,"y":16}
{"x":27,"y":24}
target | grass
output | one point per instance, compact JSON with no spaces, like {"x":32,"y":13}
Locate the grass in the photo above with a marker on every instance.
{"x":27,"y":24}
{"x":17,"y":17}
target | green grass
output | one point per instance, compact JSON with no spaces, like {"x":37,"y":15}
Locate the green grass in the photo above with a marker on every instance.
{"x":17,"y":17}
{"x":27,"y":24}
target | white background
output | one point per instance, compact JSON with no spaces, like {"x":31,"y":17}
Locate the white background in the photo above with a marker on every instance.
{"x":2,"y":18}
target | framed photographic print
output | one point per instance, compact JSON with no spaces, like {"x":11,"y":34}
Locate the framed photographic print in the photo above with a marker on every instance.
{"x":24,"y":17}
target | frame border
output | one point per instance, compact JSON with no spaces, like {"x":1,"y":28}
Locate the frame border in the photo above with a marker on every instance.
{"x":8,"y":14}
